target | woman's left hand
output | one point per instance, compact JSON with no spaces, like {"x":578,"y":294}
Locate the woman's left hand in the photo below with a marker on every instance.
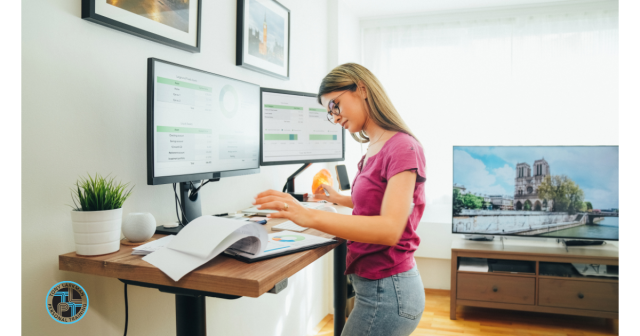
{"x":287,"y":206}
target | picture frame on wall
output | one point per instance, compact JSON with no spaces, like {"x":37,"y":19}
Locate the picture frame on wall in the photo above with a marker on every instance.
{"x":175,"y":23}
{"x":262,"y":37}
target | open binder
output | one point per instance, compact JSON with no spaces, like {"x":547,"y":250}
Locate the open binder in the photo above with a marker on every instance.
{"x":208,"y":236}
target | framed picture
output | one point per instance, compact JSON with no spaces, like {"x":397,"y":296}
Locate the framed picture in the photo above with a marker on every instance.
{"x":175,"y":23}
{"x":262,"y":37}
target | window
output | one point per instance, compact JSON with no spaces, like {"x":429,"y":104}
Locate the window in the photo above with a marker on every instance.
{"x":490,"y":74}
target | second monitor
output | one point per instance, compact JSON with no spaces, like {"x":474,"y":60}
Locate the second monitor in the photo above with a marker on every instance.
{"x":295,"y":129}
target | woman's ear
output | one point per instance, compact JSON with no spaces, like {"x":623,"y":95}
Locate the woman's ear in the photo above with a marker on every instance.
{"x":362,"y":90}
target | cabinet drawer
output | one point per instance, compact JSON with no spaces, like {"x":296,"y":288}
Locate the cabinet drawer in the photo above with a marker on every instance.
{"x":496,"y":288}
{"x":579,"y":294}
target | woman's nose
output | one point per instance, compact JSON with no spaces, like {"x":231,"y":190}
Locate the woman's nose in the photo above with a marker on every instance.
{"x":336,"y":119}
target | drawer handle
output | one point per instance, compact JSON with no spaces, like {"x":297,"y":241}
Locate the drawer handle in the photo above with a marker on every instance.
{"x":495,"y":289}
{"x":580,"y":295}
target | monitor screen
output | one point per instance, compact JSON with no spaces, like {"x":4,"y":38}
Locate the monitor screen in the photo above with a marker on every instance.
{"x":295,"y":129}
{"x":200,"y":125}
{"x":542,"y":191}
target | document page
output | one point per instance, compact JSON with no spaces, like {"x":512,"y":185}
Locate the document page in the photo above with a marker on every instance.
{"x":202,"y":240}
{"x":286,"y":240}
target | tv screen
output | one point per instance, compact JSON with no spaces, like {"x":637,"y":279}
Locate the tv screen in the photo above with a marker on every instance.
{"x":568,"y":192}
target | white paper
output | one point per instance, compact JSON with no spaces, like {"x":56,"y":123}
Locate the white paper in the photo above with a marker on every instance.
{"x":152,"y":246}
{"x":202,"y":240}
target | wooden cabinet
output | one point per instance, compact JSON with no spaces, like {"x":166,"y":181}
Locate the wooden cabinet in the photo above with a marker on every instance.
{"x":496,"y":288}
{"x":579,"y":294}
{"x":549,"y":289}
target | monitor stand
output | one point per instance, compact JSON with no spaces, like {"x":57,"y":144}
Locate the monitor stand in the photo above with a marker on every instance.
{"x":191,"y":207}
{"x":289,"y":187}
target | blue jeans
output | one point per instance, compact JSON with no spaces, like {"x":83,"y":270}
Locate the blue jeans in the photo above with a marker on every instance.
{"x":390,"y":306}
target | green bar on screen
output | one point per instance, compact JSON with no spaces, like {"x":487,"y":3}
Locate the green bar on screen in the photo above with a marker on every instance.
{"x":169,"y":129}
{"x":186,"y":85}
{"x":283,"y":107}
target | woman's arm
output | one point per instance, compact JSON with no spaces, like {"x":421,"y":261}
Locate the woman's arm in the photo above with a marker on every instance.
{"x":385,"y":229}
{"x":334,"y":196}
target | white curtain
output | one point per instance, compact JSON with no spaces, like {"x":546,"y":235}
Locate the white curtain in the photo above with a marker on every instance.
{"x":543,"y":77}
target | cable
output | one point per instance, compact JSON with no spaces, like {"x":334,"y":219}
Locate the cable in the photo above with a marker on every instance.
{"x":175,"y":201}
{"x":181,"y":209}
{"x":194,"y":191}
{"x":126,"y":311}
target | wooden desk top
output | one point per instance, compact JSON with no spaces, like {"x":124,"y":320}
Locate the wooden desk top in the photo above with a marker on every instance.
{"x":222,"y":274}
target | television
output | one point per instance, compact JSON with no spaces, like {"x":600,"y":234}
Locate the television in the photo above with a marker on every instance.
{"x":563,"y":192}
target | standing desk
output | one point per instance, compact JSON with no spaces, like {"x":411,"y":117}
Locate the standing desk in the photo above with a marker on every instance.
{"x":222,"y":277}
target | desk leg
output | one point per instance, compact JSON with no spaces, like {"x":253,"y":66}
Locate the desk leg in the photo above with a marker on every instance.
{"x":339,"y":288}
{"x":191,"y":319}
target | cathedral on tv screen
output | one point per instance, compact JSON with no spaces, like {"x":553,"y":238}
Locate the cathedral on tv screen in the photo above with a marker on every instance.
{"x":527,"y":182}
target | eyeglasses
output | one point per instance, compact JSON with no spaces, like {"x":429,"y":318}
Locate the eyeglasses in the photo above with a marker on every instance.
{"x":334,"y":109}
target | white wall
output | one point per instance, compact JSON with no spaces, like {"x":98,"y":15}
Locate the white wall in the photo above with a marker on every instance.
{"x":84,"y":110}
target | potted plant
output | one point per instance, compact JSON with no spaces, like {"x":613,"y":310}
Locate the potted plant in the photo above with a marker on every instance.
{"x":97,"y":215}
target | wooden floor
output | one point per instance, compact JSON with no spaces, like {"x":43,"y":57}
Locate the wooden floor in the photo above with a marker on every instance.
{"x":484,"y":321}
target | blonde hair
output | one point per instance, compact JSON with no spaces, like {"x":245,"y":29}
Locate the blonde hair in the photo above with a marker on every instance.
{"x":347,"y":77}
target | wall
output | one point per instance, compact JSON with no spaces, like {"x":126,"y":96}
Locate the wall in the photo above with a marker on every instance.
{"x":84,"y":110}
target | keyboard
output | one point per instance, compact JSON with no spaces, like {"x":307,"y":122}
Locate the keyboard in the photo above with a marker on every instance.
{"x":288,"y":225}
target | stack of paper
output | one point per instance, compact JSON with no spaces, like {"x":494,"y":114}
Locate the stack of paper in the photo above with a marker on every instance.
{"x":473,"y":265}
{"x":152,"y":246}
{"x":202,"y":240}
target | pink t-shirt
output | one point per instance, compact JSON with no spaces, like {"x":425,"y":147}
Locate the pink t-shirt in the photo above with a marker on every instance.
{"x":373,"y":261}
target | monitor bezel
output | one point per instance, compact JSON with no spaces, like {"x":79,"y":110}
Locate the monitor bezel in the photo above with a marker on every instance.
{"x":515,"y":235}
{"x":151,"y":178}
{"x":277,"y":163}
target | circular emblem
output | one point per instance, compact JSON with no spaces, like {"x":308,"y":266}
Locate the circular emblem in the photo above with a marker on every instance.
{"x":229,"y":101}
{"x":67,"y":302}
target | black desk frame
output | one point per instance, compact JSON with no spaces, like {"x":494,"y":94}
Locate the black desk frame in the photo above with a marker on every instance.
{"x":191,"y":308}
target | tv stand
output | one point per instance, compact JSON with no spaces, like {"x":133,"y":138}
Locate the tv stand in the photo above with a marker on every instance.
{"x":553,"y":285}
{"x":577,"y":242}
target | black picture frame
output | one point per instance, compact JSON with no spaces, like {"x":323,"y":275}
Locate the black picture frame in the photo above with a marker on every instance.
{"x":241,"y":35}
{"x":89,"y":13}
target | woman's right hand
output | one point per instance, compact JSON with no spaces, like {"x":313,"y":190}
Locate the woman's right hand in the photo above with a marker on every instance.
{"x":320,"y":194}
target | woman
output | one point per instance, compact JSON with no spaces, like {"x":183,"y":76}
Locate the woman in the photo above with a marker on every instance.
{"x":387,"y":200}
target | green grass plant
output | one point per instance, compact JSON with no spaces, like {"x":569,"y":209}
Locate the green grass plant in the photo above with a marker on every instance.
{"x":99,"y":193}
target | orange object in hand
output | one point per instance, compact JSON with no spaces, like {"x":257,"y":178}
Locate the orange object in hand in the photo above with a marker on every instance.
{"x":322,"y":177}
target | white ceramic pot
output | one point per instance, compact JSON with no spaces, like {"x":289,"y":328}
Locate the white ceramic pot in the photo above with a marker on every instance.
{"x":138,"y":226}
{"x":97,"y":232}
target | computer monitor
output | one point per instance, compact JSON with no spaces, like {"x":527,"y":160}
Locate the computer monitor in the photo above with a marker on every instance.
{"x":295,"y":129}
{"x":200,"y":126}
